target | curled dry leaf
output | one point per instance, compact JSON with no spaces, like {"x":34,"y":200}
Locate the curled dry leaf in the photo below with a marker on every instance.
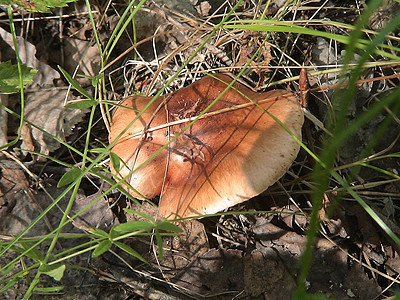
{"x":27,"y":54}
{"x":231,"y":154}
{"x":249,"y":43}
{"x":45,"y":109}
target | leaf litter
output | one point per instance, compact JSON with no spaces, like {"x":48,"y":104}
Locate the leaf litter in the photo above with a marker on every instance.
{"x":44,"y":103}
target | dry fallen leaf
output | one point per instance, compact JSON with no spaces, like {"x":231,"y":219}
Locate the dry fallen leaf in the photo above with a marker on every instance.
{"x":27,"y":52}
{"x":56,"y":120}
{"x":203,"y":8}
{"x":44,"y":108}
{"x":82,"y":53}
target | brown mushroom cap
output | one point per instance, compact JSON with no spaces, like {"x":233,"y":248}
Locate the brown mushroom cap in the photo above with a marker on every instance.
{"x":223,"y":159}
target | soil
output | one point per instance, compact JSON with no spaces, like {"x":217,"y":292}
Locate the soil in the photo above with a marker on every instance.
{"x":253,"y":255}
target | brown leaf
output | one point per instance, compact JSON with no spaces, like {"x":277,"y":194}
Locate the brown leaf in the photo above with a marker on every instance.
{"x":45,"y":109}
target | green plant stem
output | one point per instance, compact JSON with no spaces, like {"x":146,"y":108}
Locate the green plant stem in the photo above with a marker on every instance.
{"x":88,"y":135}
{"x":101,"y":82}
{"x":21,"y":82}
{"x":116,"y":36}
{"x":35,"y":281}
{"x":291,"y":28}
{"x":17,"y":275}
{"x":377,"y":136}
{"x":94,"y":28}
{"x":102,"y":155}
{"x":134,"y":34}
{"x":63,"y":222}
{"x":340,"y":134}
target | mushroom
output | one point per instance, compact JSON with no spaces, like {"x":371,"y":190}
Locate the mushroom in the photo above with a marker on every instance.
{"x":233,"y":152}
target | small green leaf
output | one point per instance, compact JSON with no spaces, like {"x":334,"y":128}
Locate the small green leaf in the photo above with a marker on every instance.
{"x":81,"y":104}
{"x":168,"y":226}
{"x":100,"y":233}
{"x":75,"y":84}
{"x":52,"y":289}
{"x":397,"y":296}
{"x":8,"y":285}
{"x":130,"y":251}
{"x":55,"y":271}
{"x":159,"y":244}
{"x":115,"y":160}
{"x":9,"y":77}
{"x":69,"y":177}
{"x":104,"y":246}
{"x":114,"y":234}
{"x":96,"y":79}
{"x":42,"y":6}
{"x":97,"y":150}
{"x":96,"y":170}
{"x":133,"y":226}
{"x":7,"y":270}
{"x":33,"y":253}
